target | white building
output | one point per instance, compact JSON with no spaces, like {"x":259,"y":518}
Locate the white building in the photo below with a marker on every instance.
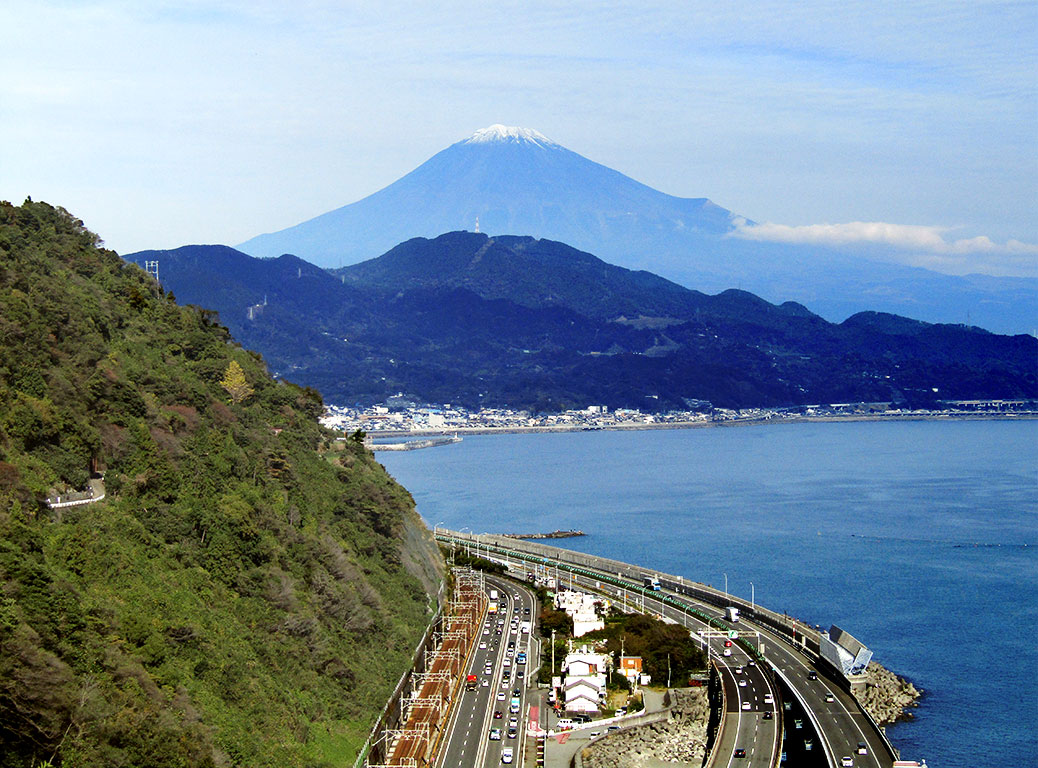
{"x":581,"y":608}
{"x":585,"y":686}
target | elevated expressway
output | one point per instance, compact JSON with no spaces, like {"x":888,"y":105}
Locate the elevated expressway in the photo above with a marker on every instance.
{"x":832,"y":722}
{"x":466,"y":741}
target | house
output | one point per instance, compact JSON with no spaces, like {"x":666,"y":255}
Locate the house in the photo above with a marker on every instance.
{"x":585,"y":685}
{"x":581,"y":608}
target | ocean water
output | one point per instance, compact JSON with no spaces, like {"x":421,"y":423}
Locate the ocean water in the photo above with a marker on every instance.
{"x":919,"y":538}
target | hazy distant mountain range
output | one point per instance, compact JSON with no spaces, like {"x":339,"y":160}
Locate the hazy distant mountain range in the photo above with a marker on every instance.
{"x":517,"y":181}
{"x":527,"y":323}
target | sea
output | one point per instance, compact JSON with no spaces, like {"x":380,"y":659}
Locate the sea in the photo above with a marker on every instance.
{"x":920,"y":538}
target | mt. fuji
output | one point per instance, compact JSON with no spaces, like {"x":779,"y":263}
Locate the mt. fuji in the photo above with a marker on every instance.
{"x":518,"y":181}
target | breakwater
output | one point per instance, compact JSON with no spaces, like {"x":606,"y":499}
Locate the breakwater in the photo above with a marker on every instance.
{"x":552,"y":535}
{"x":414,"y":445}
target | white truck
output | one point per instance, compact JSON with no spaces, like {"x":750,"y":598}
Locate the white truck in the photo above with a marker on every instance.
{"x":731,"y":613}
{"x":493,"y":594}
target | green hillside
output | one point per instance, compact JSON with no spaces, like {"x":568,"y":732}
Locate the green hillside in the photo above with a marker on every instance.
{"x":243,"y":595}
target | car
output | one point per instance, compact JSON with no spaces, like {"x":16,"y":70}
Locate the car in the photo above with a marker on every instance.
{"x":862,"y":748}
{"x":613,"y":728}
{"x":593,"y":734}
{"x":498,"y":714}
{"x":746,"y":705}
{"x":768,"y":715}
{"x":829,"y":697}
{"x":517,"y":692}
{"x":742,"y":683}
{"x":512,"y":733}
{"x":812,"y":675}
{"x":727,"y":652}
{"x":500,"y":695}
{"x":769,"y":699}
{"x":738,"y":670}
{"x":798,"y":724}
{"x":507,"y":755}
{"x":495,"y":734}
{"x":520,"y":675}
{"x":727,"y":643}
{"x":485,"y":684}
{"x":740,"y":753}
{"x":847,"y":762}
{"x":751,"y":663}
{"x":513,"y":722}
{"x":482,"y":645}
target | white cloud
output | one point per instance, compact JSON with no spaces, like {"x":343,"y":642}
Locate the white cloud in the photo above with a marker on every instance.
{"x":915,"y":244}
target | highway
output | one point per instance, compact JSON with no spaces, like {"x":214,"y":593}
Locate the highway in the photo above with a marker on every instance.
{"x":501,"y":682}
{"x":833,"y":722}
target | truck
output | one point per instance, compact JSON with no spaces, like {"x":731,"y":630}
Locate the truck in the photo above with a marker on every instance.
{"x":731,"y":613}
{"x":651,"y":582}
{"x":524,"y":627}
{"x":492,"y":607}
{"x":471,"y":682}
{"x":493,"y":594}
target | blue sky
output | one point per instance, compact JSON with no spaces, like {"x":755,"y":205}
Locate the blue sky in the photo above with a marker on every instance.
{"x":909,"y":125}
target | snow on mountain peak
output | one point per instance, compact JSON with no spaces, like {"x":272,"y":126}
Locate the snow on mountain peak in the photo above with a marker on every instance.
{"x":509,"y":133}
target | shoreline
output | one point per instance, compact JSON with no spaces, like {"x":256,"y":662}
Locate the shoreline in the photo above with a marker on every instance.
{"x":642,"y":426}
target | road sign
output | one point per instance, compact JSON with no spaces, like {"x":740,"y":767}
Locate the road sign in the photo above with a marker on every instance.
{"x":733,"y":635}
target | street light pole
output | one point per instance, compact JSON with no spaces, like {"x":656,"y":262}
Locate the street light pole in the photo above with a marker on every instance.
{"x":753,"y":605}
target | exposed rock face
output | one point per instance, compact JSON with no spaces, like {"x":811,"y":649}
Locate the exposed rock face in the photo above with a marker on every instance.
{"x":886,"y":697}
{"x":682,"y":739}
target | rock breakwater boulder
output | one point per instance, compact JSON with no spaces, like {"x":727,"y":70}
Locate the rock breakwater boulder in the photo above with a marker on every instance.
{"x":887,"y":697}
{"x":680,"y":739}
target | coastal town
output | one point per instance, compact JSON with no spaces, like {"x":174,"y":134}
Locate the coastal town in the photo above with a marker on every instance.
{"x":400,"y":416}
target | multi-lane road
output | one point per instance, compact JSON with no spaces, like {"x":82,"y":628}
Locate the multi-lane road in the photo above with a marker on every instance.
{"x":487,"y":726}
{"x":831,"y":724}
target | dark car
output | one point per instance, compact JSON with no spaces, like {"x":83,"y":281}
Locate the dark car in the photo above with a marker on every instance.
{"x":740,"y":753}
{"x":768,"y":715}
{"x":497,"y":714}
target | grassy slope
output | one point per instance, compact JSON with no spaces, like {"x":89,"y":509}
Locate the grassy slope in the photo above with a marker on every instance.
{"x":237,"y":599}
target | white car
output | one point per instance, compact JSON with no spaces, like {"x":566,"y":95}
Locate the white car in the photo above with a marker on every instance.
{"x":495,"y":734}
{"x":742,"y":682}
{"x":507,"y":755}
{"x":847,"y":762}
{"x":500,"y":695}
{"x":746,"y":705}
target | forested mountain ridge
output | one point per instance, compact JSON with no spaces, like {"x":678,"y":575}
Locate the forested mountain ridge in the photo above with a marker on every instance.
{"x":514,"y":321}
{"x":241,"y":596}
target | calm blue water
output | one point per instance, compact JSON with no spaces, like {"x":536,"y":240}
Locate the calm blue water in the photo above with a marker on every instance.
{"x":920,"y":538}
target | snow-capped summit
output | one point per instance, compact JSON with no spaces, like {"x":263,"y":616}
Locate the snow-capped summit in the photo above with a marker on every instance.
{"x":509,"y":133}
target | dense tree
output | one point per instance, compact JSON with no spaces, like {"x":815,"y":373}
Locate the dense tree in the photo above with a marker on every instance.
{"x":238,"y":598}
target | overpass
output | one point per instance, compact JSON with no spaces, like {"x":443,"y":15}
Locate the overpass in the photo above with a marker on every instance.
{"x":787,"y":647}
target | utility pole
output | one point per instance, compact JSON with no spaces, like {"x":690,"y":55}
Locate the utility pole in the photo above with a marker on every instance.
{"x":753,"y":604}
{"x":552,"y":654}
